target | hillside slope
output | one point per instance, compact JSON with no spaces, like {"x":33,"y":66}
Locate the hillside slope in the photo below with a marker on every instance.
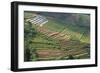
{"x":60,"y":40}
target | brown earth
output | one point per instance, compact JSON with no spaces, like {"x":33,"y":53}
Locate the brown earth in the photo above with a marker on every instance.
{"x":46,"y":53}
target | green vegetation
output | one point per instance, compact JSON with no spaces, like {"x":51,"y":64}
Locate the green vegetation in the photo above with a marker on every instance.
{"x":56,"y":40}
{"x":29,"y":51}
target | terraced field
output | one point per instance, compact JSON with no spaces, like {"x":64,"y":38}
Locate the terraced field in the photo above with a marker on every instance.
{"x":58,"y":41}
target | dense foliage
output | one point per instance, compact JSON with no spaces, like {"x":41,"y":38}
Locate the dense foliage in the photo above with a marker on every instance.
{"x":29,"y":51}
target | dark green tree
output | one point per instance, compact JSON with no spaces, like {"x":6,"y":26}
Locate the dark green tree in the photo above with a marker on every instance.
{"x":29,"y":34}
{"x":70,"y":57}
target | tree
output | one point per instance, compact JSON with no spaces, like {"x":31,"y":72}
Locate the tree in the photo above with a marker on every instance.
{"x":29,"y":34}
{"x":70,"y":57}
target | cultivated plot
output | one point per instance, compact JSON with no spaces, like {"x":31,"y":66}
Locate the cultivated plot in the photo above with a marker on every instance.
{"x":56,"y":36}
